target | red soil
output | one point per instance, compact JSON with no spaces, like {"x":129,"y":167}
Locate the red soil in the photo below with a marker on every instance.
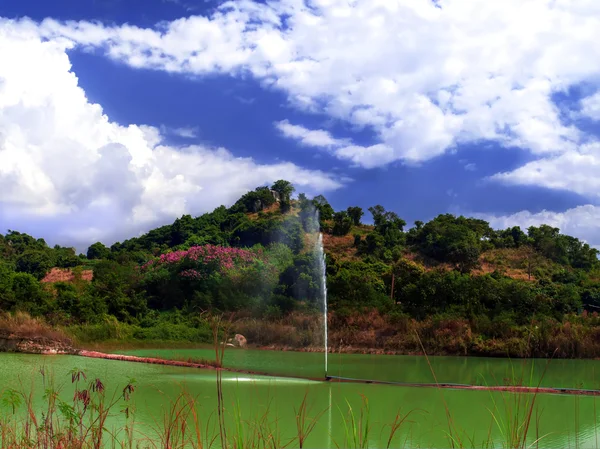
{"x":66,"y":275}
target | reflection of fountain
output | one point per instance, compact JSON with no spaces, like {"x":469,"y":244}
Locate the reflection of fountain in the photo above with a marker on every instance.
{"x":323,"y":273}
{"x":329,"y":408}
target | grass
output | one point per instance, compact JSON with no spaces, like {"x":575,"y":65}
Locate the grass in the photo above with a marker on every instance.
{"x":20,"y":325}
{"x":353,"y":331}
{"x":304,"y":423}
{"x":77,"y":424}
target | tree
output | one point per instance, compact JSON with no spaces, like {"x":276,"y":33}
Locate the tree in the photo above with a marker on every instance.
{"x":389,"y":226}
{"x":28,"y":294}
{"x":182,"y":229}
{"x":34,"y":262}
{"x":255,"y":201}
{"x":65,"y":257}
{"x":98,"y":251}
{"x":355,"y":213}
{"x":308,"y":214}
{"x":324,"y":208}
{"x":342,"y":223}
{"x":6,"y":285}
{"x":384,"y":220}
{"x":284,"y":189}
{"x":451,"y":239}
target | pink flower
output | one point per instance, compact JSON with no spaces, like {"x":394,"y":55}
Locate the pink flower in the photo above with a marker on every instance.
{"x":223,"y":258}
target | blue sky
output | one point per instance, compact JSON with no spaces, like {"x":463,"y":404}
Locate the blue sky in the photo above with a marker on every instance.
{"x":117,"y":116}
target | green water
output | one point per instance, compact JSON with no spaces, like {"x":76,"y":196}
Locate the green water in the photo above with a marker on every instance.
{"x":409,"y":369}
{"x":566,"y":421}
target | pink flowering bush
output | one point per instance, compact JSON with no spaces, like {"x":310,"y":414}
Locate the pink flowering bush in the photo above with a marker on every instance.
{"x":200,"y":261}
{"x":208,"y":276}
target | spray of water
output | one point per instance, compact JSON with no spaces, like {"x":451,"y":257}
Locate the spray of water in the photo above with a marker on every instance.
{"x":323,"y":272}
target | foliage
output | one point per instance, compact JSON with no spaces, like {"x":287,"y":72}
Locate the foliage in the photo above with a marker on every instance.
{"x":342,"y":223}
{"x":259,"y":260}
{"x":98,"y":251}
{"x":355,"y":213}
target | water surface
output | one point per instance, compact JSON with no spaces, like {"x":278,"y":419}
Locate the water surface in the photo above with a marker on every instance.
{"x":395,"y":368}
{"x":566,"y":421}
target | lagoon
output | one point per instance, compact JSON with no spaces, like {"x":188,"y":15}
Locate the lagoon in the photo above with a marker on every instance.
{"x":564,"y":421}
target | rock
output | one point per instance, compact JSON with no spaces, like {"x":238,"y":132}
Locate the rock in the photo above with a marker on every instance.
{"x":276,"y":195}
{"x":257,"y":206}
{"x":240,"y":340}
{"x":34,"y":346}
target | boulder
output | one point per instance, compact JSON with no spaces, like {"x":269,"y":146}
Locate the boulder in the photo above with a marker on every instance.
{"x":276,"y":196}
{"x":240,"y":340}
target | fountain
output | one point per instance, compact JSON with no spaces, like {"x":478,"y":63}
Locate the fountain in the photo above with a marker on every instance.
{"x":323,"y":272}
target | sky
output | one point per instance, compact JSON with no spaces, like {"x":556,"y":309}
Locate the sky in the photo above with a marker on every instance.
{"x":117,"y":116}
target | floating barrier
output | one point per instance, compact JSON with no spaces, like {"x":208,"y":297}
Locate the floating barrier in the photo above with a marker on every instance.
{"x":505,"y":388}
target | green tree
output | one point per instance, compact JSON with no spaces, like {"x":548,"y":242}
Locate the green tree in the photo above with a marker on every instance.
{"x":65,"y":257}
{"x":389,"y":226}
{"x":34,"y":262}
{"x":6,"y":286}
{"x":355,"y":213}
{"x":447,"y":238}
{"x":285,"y":190}
{"x":28,"y":294}
{"x":324,"y":208}
{"x":342,"y":223}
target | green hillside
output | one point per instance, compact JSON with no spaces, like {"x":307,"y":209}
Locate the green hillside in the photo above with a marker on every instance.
{"x":462,"y":286}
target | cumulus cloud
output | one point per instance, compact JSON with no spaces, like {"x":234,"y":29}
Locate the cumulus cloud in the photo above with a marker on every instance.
{"x":308,"y":137}
{"x":363,"y":156}
{"x":66,"y":168}
{"x":424,"y":75}
{"x":580,"y":221}
{"x":590,"y":106}
{"x":186,"y":132}
{"x":576,"y":171}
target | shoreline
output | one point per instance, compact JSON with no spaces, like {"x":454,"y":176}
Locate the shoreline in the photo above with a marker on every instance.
{"x":334,"y":379}
{"x":117,"y":346}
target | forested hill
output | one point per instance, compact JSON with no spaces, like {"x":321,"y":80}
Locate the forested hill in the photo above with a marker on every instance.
{"x":257,"y":257}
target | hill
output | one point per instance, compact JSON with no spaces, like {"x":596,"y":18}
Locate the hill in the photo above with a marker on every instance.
{"x":461,"y":285}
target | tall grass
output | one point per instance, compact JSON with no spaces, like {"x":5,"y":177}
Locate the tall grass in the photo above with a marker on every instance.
{"x":357,"y":426}
{"x":304,"y":423}
{"x":21,"y":325}
{"x":514,"y":418}
{"x":76,"y":424}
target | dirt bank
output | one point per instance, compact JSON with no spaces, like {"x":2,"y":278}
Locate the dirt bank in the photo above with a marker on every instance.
{"x":34,"y":346}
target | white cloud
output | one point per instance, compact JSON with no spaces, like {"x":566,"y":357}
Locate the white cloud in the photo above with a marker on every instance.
{"x":186,"y":132}
{"x":590,"y":106}
{"x":581,"y":222}
{"x":470,"y":167}
{"x":311,"y":138}
{"x":424,"y":76}
{"x":67,"y":169}
{"x":424,"y":79}
{"x":576,"y":171}
{"x":367,"y":157}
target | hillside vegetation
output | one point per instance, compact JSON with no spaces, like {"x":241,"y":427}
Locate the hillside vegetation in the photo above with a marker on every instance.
{"x":462,"y":286}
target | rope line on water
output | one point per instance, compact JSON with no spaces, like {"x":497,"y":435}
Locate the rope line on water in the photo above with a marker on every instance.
{"x":448,"y":385}
{"x":507,"y":388}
